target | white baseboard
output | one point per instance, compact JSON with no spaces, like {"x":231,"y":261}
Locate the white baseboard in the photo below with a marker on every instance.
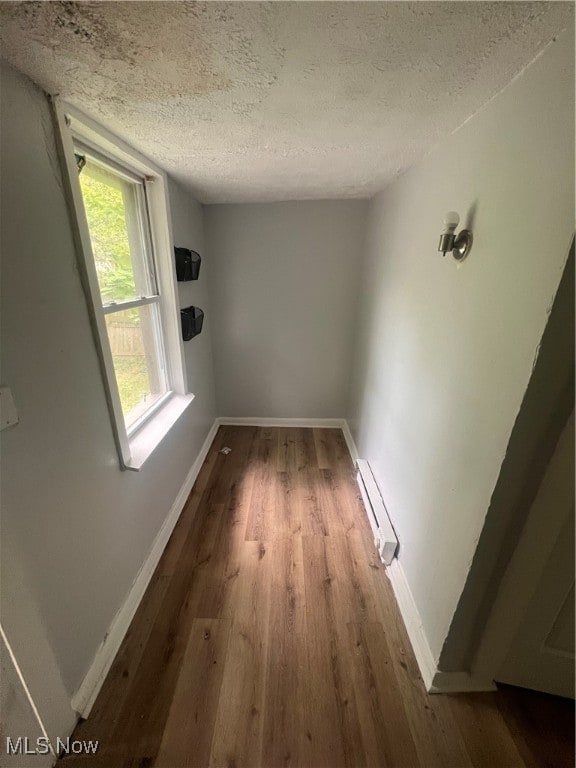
{"x":258,"y":421}
{"x":86,"y":694}
{"x":352,"y":449}
{"x":459,"y":682}
{"x":434,"y":679}
{"x":412,"y":622}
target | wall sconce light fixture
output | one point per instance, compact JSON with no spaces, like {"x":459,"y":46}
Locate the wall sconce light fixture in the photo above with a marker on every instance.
{"x":460,"y":244}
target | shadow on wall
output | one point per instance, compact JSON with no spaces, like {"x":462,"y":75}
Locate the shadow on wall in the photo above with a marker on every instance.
{"x":470,"y":220}
{"x":547,"y":404}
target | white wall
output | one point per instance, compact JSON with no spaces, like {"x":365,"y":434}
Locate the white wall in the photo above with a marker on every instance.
{"x":77,"y":526}
{"x":445,"y":352}
{"x":284,"y":301}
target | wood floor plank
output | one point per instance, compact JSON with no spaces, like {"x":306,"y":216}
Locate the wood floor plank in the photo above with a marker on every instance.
{"x":438,"y":741}
{"x":343,"y":496}
{"x":284,"y":720}
{"x":169,"y":559}
{"x":285,"y":448}
{"x":528,"y":718}
{"x":261,"y":520}
{"x":385,"y":727}
{"x":355,"y":597}
{"x":187,"y":736}
{"x":142,"y":719}
{"x":306,"y":480}
{"x":488,"y":740}
{"x":286,"y":510}
{"x":322,"y":444}
{"x":238,"y":730}
{"x":332,"y":716}
{"x":304,"y":450}
{"x":308,"y":504}
{"x":343,"y":489}
{"x":269,"y":636}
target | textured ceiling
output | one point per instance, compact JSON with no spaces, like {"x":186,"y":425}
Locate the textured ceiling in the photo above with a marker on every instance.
{"x":274,"y":101}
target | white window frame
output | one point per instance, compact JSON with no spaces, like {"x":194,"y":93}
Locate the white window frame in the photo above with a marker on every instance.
{"x":137,"y":444}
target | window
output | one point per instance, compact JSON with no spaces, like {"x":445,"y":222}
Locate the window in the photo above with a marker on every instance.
{"x":120,"y":204}
{"x":117,"y":218}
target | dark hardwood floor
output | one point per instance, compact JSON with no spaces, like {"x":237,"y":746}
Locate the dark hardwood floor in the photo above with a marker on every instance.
{"x":269,"y":636}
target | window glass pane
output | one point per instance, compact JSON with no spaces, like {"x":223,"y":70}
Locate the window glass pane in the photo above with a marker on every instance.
{"x":140,"y":373}
{"x":115,"y":212}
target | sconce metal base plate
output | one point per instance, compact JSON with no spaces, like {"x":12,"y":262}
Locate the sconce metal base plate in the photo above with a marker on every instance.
{"x":462,"y":245}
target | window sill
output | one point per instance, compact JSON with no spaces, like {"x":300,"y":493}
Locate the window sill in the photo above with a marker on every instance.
{"x":151,"y":434}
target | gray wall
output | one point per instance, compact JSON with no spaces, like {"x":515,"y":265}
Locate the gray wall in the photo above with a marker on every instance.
{"x":18,"y":717}
{"x":284,"y":300}
{"x":188,"y":232}
{"x":77,"y":527}
{"x":446,"y":351}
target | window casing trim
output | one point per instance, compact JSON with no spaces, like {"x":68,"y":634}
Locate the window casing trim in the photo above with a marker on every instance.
{"x":74,"y":127}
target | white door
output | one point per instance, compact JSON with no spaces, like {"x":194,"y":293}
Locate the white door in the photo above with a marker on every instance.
{"x":541,"y":654}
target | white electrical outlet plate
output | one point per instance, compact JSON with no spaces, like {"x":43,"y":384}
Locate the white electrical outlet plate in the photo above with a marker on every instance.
{"x":8,"y":414}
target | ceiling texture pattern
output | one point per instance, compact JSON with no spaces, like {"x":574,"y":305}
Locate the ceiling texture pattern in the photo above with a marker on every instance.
{"x":256,"y":101}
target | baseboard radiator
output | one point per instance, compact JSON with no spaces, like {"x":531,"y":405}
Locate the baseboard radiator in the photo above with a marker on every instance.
{"x":385,"y":539}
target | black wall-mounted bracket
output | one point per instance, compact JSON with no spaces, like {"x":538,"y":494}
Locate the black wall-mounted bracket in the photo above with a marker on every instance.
{"x":192,"y":319}
{"x":187,"y":264}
